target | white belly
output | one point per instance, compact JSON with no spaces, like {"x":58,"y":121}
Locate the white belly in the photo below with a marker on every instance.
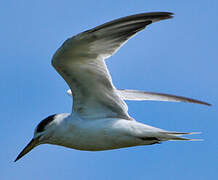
{"x":96,"y":135}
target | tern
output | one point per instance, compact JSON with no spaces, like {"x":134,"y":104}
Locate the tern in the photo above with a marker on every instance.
{"x":99,"y":118}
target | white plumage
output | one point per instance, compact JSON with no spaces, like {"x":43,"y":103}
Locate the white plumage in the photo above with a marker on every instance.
{"x":99,"y":118}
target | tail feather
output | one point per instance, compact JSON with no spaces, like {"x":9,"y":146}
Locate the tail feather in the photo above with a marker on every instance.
{"x":185,"y":139}
{"x":181,"y":133}
{"x":175,"y":136}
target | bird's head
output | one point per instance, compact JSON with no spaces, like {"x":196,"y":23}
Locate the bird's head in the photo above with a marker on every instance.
{"x":41,"y":134}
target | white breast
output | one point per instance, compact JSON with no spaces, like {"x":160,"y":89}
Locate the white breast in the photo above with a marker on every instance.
{"x":94,"y":135}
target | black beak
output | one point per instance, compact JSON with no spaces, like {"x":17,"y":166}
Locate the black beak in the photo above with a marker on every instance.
{"x":33,"y":143}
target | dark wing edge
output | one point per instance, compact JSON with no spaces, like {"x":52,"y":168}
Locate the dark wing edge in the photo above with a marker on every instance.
{"x":152,"y":16}
{"x":153,"y":96}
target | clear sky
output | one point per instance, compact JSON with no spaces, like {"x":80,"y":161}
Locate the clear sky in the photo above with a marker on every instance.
{"x":177,"y":56}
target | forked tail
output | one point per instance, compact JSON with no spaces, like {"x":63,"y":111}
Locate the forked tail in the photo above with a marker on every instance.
{"x":176,"y":136}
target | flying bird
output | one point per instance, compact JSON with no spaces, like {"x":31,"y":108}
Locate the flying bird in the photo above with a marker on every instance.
{"x":99,"y":118}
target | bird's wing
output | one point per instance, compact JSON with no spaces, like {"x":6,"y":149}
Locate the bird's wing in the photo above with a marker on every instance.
{"x":80,"y":61}
{"x":136,"y":95}
{"x":153,"y":96}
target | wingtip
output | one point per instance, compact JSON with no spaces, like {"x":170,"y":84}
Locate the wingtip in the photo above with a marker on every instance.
{"x":170,"y":14}
{"x":203,"y":103}
{"x":207,"y":104}
{"x":160,"y":15}
{"x":195,"y":133}
{"x":166,"y":15}
{"x":195,"y":139}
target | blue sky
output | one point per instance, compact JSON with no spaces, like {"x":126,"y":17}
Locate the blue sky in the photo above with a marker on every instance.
{"x":177,"y":56}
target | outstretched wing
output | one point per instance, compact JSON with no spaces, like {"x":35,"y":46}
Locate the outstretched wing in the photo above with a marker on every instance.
{"x":80,"y":61}
{"x":136,"y":95}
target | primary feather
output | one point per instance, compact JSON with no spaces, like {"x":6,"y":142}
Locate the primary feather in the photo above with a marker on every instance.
{"x":136,"y":95}
{"x":81,"y":62}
